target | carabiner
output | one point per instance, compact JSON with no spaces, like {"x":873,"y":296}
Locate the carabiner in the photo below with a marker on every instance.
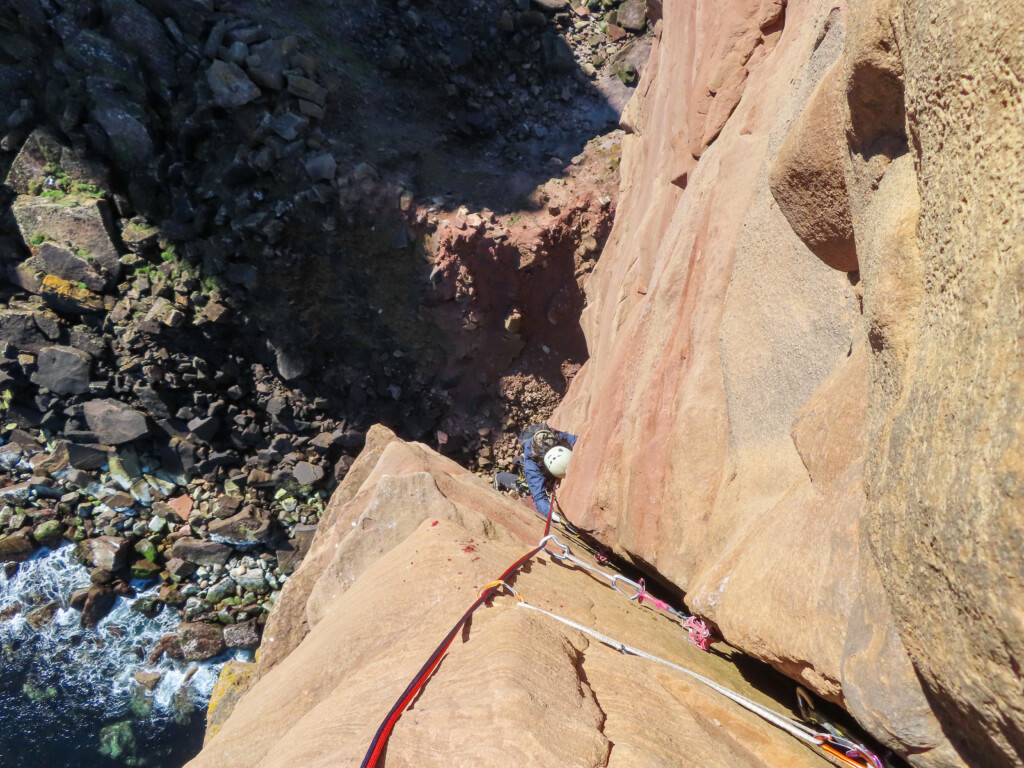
{"x":551,"y":537}
{"x":615,"y":578}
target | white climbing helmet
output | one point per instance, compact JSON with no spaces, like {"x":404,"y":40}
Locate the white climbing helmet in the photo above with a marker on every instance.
{"x":557,"y":460}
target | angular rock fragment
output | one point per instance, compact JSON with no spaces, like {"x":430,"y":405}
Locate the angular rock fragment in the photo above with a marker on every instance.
{"x":48,"y":534}
{"x":39,"y":150}
{"x":200,"y":552}
{"x":241,"y":530}
{"x":306,"y":473}
{"x":19,"y":329}
{"x":129,"y":139}
{"x":148,"y":680}
{"x":82,"y":456}
{"x":321,"y":167}
{"x":199,"y":642}
{"x":244,"y":636}
{"x":139,"y":32}
{"x":632,"y":16}
{"x":71,"y":298}
{"x":61,"y":261}
{"x":144,"y":570}
{"x":109,"y":553}
{"x":114,"y":423}
{"x":168,"y":644}
{"x":80,"y":227}
{"x":180,"y":569}
{"x":204,"y":429}
{"x":307,"y":89}
{"x":98,"y":603}
{"x":267,"y":62}
{"x":288,"y":125}
{"x":17,"y":547}
{"x":230,"y":85}
{"x":63,"y":370}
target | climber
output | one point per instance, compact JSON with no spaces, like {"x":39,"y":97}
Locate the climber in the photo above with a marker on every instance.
{"x":546,"y":455}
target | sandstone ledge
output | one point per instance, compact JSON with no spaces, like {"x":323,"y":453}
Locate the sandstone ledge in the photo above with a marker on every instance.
{"x":395,"y":563}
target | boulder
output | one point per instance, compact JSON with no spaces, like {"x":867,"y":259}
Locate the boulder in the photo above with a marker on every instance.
{"x":83,"y":456}
{"x":168,"y":644}
{"x":114,"y":423}
{"x":306,"y":473}
{"x":19,"y":329}
{"x":18,"y":493}
{"x":98,"y":603}
{"x":148,"y":680}
{"x":78,"y":598}
{"x":180,"y":569}
{"x":244,"y":636}
{"x":145,"y":570}
{"x":49,"y":533}
{"x":58,"y":260}
{"x":68,"y":297}
{"x":199,"y":642}
{"x":204,"y":428}
{"x":268,"y":60}
{"x":229,"y":85}
{"x":223,"y":588}
{"x":180,"y":508}
{"x":632,"y":16}
{"x":17,"y":547}
{"x":140,"y":33}
{"x":321,"y":167}
{"x":226,"y":506}
{"x":288,"y":125}
{"x":82,"y":227}
{"x":40,"y":150}
{"x":242,"y":530}
{"x":200,"y":551}
{"x":63,"y":370}
{"x":307,"y":89}
{"x":109,"y":553}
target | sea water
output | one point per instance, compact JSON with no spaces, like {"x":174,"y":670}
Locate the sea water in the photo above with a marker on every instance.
{"x":68,"y":696}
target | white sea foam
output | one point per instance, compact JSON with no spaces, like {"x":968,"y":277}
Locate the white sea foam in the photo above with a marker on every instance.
{"x":96,"y":667}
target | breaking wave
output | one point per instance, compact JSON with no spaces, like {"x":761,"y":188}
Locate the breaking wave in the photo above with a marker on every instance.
{"x":62,"y":686}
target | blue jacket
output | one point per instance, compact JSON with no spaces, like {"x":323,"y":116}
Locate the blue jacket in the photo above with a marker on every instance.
{"x":535,"y":476}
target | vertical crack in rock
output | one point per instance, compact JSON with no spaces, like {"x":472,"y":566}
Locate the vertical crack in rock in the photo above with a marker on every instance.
{"x":579,"y":659}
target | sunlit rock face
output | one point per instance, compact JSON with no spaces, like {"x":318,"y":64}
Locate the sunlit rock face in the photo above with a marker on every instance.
{"x":408,"y":539}
{"x":804,"y":361}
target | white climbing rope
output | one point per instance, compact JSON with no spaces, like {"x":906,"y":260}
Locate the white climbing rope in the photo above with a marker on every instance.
{"x":787,"y":724}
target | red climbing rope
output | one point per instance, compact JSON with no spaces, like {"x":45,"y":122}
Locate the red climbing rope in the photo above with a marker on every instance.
{"x":380,"y":740}
{"x":698,"y":631}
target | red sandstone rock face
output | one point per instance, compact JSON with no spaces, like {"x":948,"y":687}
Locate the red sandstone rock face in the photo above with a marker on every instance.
{"x":408,"y":539}
{"x":740,"y":379}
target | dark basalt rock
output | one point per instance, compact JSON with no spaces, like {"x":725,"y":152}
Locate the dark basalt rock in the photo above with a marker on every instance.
{"x":63,"y":370}
{"x":113,"y":422}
